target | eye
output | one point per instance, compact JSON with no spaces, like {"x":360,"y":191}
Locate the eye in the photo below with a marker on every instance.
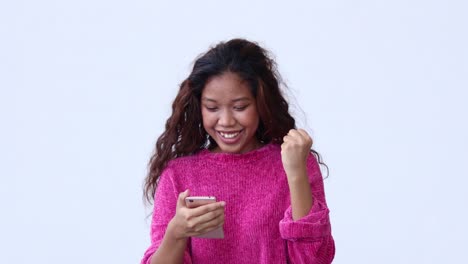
{"x":212,"y":108}
{"x":240,"y":107}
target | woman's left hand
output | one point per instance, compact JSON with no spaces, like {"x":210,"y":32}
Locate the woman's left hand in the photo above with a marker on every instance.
{"x":294,"y":151}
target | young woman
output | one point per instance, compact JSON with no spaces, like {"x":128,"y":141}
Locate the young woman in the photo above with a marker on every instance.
{"x":231,"y":136}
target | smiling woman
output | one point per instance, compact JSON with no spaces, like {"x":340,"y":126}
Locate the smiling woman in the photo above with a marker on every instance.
{"x":229,"y":114}
{"x":231,"y":136}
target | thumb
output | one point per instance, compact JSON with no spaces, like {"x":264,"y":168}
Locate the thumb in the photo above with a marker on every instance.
{"x":181,"y":199}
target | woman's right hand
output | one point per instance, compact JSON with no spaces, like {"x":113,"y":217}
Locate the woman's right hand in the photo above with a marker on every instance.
{"x":189,"y":222}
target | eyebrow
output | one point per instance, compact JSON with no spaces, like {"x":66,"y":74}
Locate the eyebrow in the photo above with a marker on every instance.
{"x":235,"y":100}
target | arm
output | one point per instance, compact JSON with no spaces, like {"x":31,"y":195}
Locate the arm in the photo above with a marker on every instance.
{"x":187,"y":222}
{"x":309,"y":239}
{"x":295,"y":151}
{"x":300,"y":192}
{"x":171,"y":249}
{"x":306,"y":225}
{"x":174,"y":223}
{"x":165,"y":246}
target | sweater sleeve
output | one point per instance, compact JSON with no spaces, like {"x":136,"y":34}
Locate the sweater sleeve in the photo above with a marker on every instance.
{"x":309,"y":239}
{"x":165,"y":202}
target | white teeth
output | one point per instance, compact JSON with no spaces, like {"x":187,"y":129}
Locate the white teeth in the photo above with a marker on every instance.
{"x":229,"y":135}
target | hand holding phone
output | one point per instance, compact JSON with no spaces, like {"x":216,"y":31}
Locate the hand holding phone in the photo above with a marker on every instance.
{"x":205,"y":216}
{"x":197,"y":201}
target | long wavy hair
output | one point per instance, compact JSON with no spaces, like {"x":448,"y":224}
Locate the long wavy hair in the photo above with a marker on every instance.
{"x":184,"y":133}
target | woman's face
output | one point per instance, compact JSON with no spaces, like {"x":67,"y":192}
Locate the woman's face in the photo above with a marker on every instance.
{"x":229,"y":113}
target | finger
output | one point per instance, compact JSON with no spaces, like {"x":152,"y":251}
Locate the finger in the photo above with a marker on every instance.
{"x":303,"y":133}
{"x":290,"y":136}
{"x":199,"y":222}
{"x":295,"y":134}
{"x":292,"y":139}
{"x":305,"y":136}
{"x":204,"y":231}
{"x":181,"y":198}
{"x":291,"y":131}
{"x":213,"y":224}
{"x":203,"y":209}
{"x":203,"y":227}
{"x":203,"y":220}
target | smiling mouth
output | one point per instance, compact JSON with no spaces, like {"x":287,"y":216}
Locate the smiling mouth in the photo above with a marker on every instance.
{"x":229,"y":135}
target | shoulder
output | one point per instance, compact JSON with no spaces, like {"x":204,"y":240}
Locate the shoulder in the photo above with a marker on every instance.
{"x":185,"y":160}
{"x":177,"y":172}
{"x":184,"y":163}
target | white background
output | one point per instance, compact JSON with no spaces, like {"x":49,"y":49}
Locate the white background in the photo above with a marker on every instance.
{"x":86,"y":87}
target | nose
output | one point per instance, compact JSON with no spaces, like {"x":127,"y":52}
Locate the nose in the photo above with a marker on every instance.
{"x":226,"y":119}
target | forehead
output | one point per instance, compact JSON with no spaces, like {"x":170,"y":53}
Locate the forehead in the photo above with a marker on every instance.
{"x":226,"y":87}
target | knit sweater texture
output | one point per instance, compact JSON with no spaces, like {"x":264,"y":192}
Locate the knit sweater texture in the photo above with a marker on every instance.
{"x":258,"y":226}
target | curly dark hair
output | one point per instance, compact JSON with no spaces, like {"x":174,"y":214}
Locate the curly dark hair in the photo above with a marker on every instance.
{"x":184,"y":133}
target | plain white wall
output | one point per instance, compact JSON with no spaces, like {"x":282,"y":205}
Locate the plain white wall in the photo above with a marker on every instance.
{"x":86,"y":87}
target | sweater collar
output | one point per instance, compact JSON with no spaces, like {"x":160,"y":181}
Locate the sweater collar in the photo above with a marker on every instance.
{"x":250,"y":156}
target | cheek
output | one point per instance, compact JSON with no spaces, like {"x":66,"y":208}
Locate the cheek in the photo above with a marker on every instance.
{"x":251,"y":118}
{"x":208,"y":120}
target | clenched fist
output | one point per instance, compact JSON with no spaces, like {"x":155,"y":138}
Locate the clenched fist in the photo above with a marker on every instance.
{"x":294,"y":151}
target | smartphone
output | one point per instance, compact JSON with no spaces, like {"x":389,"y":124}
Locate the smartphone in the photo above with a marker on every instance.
{"x":195,"y":201}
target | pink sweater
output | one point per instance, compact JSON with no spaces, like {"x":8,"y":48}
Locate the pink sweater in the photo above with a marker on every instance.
{"x":258,"y":227}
